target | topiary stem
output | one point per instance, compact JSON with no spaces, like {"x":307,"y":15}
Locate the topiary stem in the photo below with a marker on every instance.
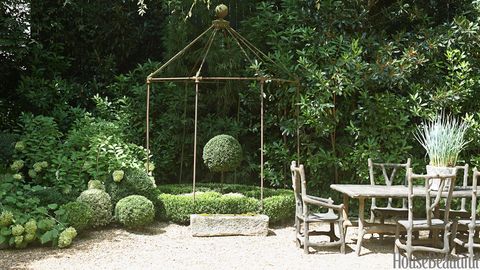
{"x":221,"y":185}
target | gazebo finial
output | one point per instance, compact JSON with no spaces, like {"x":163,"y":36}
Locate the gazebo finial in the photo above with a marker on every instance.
{"x":221,"y":11}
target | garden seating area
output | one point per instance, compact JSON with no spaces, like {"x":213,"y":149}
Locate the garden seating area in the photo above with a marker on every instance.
{"x":408,"y":225}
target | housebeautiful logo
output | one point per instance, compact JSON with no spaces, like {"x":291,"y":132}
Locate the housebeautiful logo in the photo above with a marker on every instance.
{"x":431,"y":261}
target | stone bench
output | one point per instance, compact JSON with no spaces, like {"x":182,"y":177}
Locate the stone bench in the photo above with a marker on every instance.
{"x":225,"y":225}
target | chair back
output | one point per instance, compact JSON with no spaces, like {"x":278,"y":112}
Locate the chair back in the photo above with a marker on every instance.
{"x":298,"y":177}
{"x":464,"y":169}
{"x":432,"y":197}
{"x":476,"y":175}
{"x":389,"y":171}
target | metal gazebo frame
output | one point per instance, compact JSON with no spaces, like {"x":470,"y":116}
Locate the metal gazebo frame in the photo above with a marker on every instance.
{"x":219,"y":25}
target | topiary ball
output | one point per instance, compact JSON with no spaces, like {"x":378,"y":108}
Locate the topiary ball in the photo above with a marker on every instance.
{"x":222,"y":153}
{"x":134,"y":211}
{"x":76,"y":214}
{"x":101,"y":205}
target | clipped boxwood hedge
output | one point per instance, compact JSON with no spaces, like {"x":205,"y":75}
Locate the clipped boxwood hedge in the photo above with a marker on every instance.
{"x":176,"y":201}
{"x":279,"y":208}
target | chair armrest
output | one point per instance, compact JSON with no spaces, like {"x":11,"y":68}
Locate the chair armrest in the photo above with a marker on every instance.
{"x":327,"y":203}
{"x":329,"y":200}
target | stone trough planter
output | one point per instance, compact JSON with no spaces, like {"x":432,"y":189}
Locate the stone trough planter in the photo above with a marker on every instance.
{"x":227,"y":225}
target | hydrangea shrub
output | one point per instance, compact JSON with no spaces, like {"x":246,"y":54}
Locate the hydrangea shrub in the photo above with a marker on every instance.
{"x":66,"y":237}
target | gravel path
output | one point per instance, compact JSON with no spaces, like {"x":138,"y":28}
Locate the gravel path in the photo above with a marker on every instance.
{"x":170,"y":246}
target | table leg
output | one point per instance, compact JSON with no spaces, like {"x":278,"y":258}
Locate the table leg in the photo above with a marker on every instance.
{"x":346,"y":201}
{"x":361,"y":221}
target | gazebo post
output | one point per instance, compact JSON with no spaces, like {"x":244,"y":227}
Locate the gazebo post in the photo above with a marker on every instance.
{"x":262,"y":81}
{"x":197,"y":81}
{"x":297,"y":120}
{"x":148,"y":127}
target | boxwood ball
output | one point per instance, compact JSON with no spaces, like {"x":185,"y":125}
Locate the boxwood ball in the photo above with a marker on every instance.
{"x":135,"y":211}
{"x":222,"y":153}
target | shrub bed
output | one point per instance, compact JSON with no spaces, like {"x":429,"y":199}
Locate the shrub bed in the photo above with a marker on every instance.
{"x":176,"y":201}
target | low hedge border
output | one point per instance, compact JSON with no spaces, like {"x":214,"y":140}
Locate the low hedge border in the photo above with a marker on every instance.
{"x":176,"y":202}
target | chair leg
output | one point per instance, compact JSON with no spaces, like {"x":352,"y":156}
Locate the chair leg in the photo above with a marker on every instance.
{"x":305,"y":241}
{"x":446,"y":241}
{"x":471,"y":233}
{"x":435,"y":234}
{"x":372,"y":217}
{"x":342,"y":237}
{"x":382,"y":221}
{"x":361,"y":233}
{"x":452,"y":238}
{"x":331,"y":233}
{"x":397,"y":237}
{"x":409,"y":245}
{"x":297,"y":232}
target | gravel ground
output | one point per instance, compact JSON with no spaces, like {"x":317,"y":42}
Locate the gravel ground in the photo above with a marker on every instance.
{"x":171,"y":246}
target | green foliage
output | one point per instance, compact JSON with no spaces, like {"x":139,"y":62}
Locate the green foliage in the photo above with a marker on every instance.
{"x":134,"y":211}
{"x":18,"y":198}
{"x":101,"y":205}
{"x":92,"y":148}
{"x":178,"y":208}
{"x":76,"y":214}
{"x":52,"y":195}
{"x":95,"y":184}
{"x":249,"y":191}
{"x":7,"y":146}
{"x":135,"y":182}
{"x":368,"y":73}
{"x":14,"y":20}
{"x":222,"y":153}
{"x":40,"y":147}
{"x":279,"y":208}
{"x":177,"y":203}
{"x":19,"y":233}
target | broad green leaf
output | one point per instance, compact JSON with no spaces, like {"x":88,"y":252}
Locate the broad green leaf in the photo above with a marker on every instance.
{"x":5,"y":231}
{"x":46,"y":237}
